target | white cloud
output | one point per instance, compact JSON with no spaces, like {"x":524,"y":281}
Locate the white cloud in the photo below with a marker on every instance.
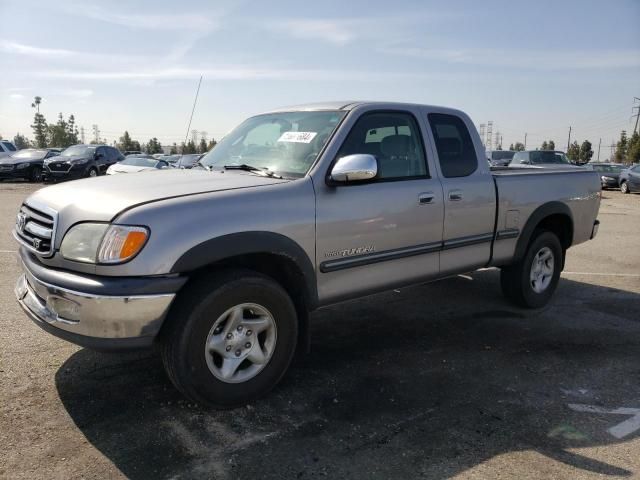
{"x":28,"y":50}
{"x":525,"y":59}
{"x":149,"y":21}
{"x":16,"y":96}
{"x":337,"y":32}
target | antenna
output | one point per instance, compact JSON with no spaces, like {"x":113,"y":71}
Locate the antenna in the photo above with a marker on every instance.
{"x":193,"y":110}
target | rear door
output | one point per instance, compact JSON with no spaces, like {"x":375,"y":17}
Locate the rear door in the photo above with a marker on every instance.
{"x":469,"y":193}
{"x":634,"y":179}
{"x":372,"y":236}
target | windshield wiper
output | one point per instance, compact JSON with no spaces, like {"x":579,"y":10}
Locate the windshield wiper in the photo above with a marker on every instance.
{"x":206,"y":167}
{"x":250,"y":168}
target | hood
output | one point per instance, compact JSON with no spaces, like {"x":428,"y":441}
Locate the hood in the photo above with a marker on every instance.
{"x":14,"y":161}
{"x":118,"y":168}
{"x":61,"y":159}
{"x":102,"y":198}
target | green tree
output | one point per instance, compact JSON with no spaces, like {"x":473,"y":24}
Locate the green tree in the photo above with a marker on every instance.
{"x":174,"y":149}
{"x":621,"y":147}
{"x":633,"y":148}
{"x":125,"y":144}
{"x":212,"y":143}
{"x":544,"y":146}
{"x":518,"y":147}
{"x":20,"y":141}
{"x":551,"y":145}
{"x":586,"y":152}
{"x":57,"y":132}
{"x":153,"y":146}
{"x":72,"y":131}
{"x":573,"y":153}
{"x":39,"y":125}
{"x":202,"y":146}
{"x":190,"y":147}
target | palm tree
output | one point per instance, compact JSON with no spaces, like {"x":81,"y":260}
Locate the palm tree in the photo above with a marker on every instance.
{"x":36,"y":103}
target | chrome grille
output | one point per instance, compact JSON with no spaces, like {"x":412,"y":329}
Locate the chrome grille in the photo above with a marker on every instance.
{"x":6,"y":168}
{"x":36,"y":228}
{"x":58,"y":166}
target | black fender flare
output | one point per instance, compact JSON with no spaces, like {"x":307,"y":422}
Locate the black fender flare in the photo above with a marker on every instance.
{"x":251,"y":242}
{"x":538,"y":215}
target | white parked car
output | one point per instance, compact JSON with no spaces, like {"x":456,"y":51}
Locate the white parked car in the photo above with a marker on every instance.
{"x":6,"y":148}
{"x":133,"y":164}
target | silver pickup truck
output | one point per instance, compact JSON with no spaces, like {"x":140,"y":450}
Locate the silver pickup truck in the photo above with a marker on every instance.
{"x":293,"y":210}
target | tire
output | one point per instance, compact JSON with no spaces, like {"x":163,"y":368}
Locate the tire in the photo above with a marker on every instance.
{"x":36,"y":175}
{"x":193,"y":323}
{"x":624,"y":188}
{"x":92,"y":172}
{"x":516,"y":280}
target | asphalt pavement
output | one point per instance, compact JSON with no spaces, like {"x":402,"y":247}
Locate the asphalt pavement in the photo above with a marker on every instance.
{"x":442,"y":380}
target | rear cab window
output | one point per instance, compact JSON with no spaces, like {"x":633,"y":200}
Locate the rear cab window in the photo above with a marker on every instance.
{"x":456,"y":152}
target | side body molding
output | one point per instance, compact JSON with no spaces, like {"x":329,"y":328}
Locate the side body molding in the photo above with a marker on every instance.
{"x":251,"y":242}
{"x":539,"y":214}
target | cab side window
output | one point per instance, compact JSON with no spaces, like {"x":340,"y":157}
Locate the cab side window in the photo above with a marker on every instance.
{"x":456,"y":152}
{"x":394,"y":139}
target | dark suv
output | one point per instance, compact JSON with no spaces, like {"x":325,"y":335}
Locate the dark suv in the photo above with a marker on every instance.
{"x":80,"y":161}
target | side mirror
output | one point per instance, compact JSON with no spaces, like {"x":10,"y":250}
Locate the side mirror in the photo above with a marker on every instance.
{"x":354,"y":168}
{"x":99,"y":155}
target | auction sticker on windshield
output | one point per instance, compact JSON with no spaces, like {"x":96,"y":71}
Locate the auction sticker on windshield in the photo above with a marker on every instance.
{"x":297,"y":137}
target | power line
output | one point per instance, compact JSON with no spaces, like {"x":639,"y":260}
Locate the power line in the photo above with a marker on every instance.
{"x":193,"y":110}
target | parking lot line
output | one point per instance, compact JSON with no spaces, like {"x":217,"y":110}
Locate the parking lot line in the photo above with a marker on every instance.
{"x":598,"y":274}
{"x":8,"y":251}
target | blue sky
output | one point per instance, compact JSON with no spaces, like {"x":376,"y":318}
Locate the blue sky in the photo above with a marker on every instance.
{"x":535,"y":67}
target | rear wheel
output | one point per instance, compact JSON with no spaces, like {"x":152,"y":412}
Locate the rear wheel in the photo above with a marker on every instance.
{"x":531,"y":282}
{"x":624,"y":188}
{"x":93,"y":172}
{"x":229,"y":338}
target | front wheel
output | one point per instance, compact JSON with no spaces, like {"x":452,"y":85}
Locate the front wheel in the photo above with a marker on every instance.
{"x":93,"y":172}
{"x":36,"y":175}
{"x":624,"y":188}
{"x":531,"y":282}
{"x":229,"y":338}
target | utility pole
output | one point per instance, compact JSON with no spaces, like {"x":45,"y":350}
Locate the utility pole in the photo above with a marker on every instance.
{"x":569,"y":140}
{"x":490,"y":135}
{"x":599,"y":143}
{"x":498,"y":143}
{"x":637,"y":115}
{"x":82,"y":135}
{"x":96,"y":133}
{"x":525,"y":140}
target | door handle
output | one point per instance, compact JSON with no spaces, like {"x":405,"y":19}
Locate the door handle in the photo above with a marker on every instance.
{"x":426,"y":198}
{"x":455,"y":195}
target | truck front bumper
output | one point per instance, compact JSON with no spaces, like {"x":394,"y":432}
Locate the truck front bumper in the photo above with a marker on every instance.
{"x":95,"y":312}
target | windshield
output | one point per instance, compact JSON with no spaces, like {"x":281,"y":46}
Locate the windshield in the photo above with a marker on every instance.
{"x":287,"y":142}
{"x":187,"y":160}
{"x":139,"y":162}
{"x":502,"y":155}
{"x":30,"y":154}
{"x":78,"y":150}
{"x":548,"y":157}
{"x":608,"y":168}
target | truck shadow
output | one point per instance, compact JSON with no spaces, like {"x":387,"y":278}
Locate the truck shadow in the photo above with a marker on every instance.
{"x":427,"y":381}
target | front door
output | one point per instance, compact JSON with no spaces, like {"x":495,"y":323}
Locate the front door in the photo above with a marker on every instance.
{"x":375,"y":235}
{"x":469,"y":196}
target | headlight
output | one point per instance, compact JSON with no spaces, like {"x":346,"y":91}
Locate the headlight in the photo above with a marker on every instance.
{"x":79,"y":161}
{"x":20,"y":166}
{"x":103,"y":243}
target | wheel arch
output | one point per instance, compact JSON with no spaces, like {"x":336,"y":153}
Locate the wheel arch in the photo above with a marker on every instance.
{"x":555,"y":217}
{"x":270,"y":253}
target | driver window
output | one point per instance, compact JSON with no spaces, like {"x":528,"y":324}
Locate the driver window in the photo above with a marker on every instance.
{"x":394,"y":139}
